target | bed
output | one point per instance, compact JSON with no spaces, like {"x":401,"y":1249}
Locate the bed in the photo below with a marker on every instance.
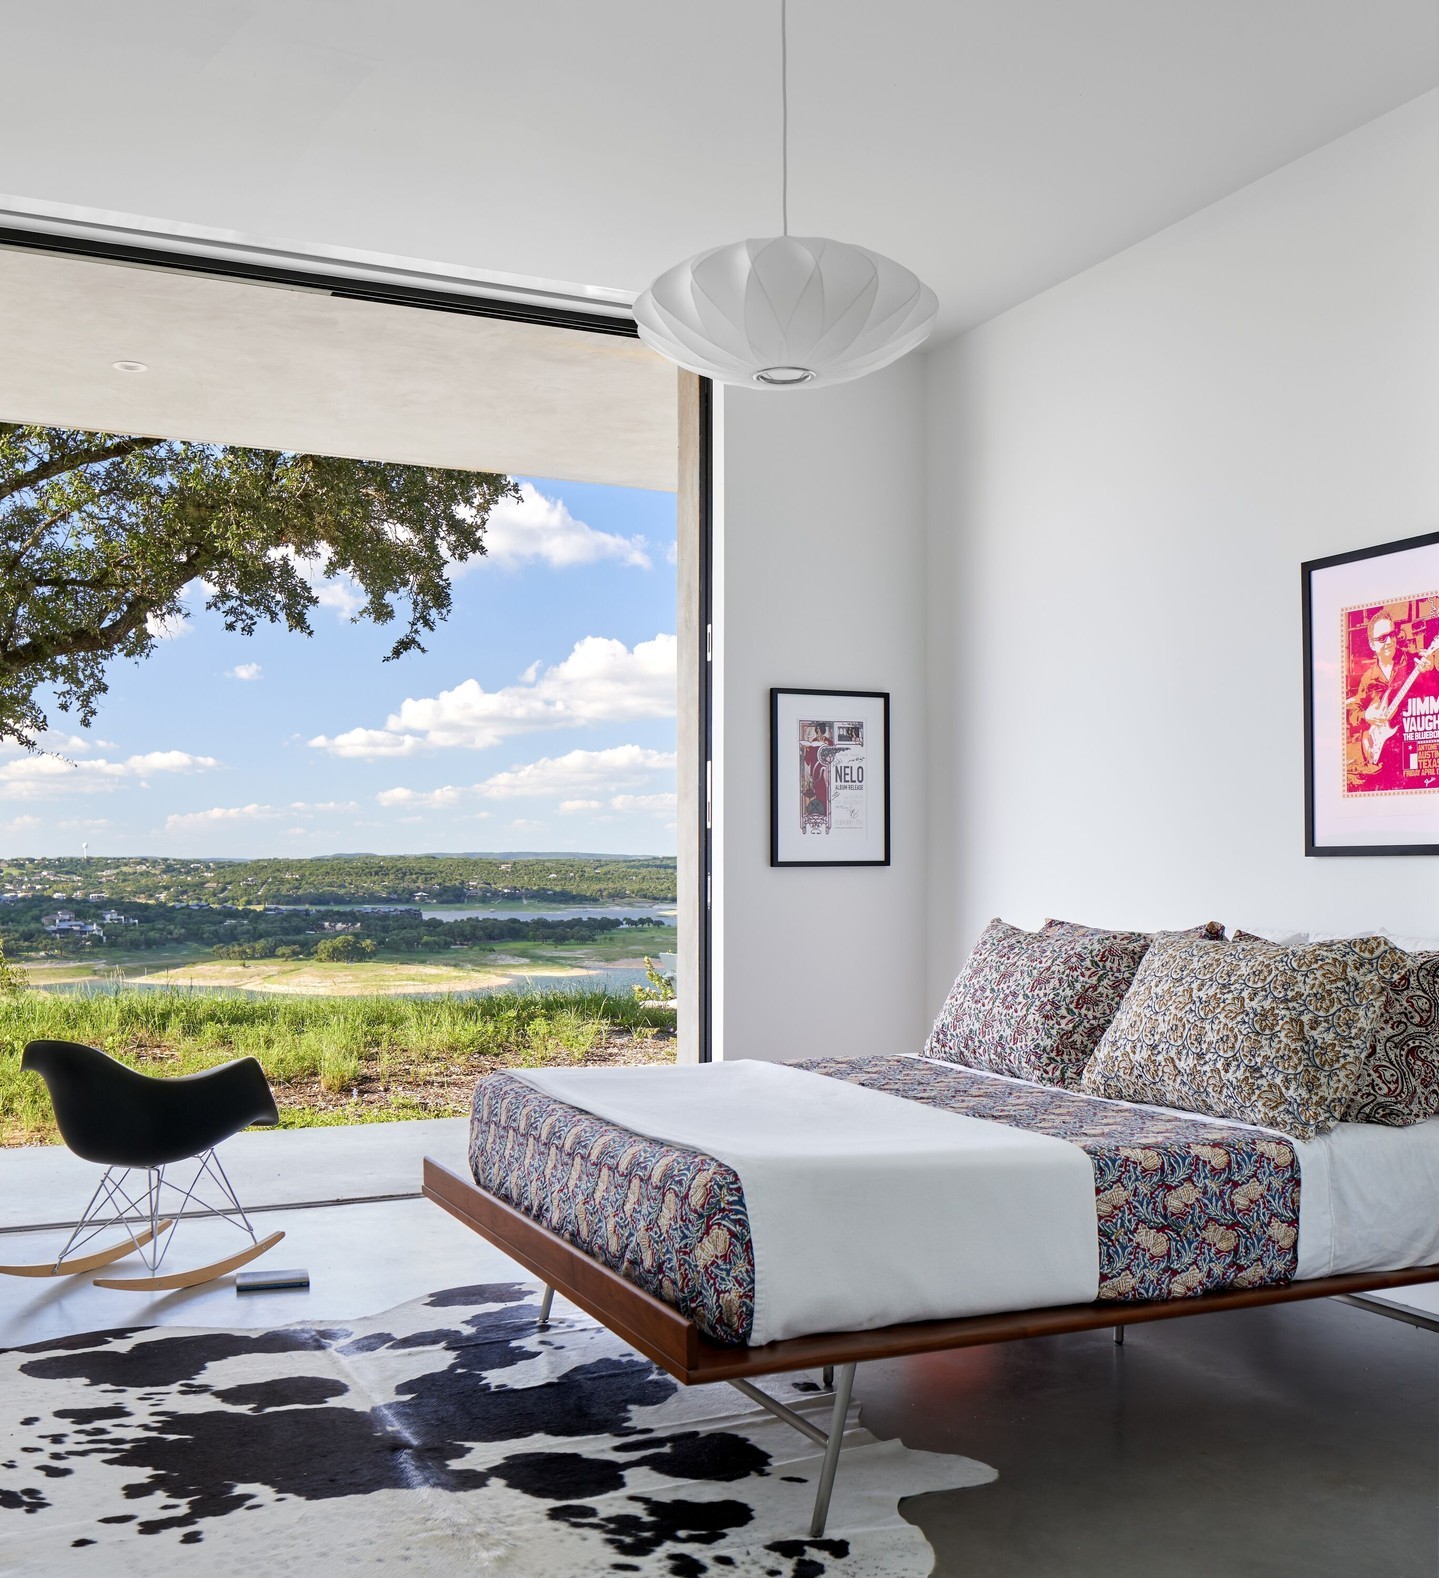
{"x":724,"y":1224}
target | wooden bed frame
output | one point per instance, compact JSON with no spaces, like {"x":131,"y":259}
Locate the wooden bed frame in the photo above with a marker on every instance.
{"x":673,"y":1342}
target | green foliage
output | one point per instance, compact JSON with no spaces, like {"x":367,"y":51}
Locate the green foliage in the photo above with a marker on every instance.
{"x":661,"y":988}
{"x":477,"y":880}
{"x":309,"y":1044}
{"x":11,"y":979}
{"x":344,"y":949}
{"x":100,"y":534}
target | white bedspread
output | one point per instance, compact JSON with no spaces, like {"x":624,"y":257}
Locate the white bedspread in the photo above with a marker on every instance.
{"x":1368,"y":1198}
{"x":864,"y":1208}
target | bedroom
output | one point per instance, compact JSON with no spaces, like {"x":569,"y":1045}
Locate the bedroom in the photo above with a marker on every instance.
{"x":1087,"y":508}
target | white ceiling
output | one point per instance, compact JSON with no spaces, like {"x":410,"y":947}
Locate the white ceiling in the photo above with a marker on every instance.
{"x":995,"y":146}
{"x":277,"y":368}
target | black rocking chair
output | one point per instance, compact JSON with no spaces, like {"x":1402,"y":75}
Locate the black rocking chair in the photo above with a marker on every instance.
{"x":129,"y":1122}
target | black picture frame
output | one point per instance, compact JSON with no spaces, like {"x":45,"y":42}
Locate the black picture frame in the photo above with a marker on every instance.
{"x":872,"y":706}
{"x":1319,"y":752}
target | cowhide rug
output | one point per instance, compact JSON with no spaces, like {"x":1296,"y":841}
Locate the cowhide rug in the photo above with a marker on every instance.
{"x":447,"y":1436}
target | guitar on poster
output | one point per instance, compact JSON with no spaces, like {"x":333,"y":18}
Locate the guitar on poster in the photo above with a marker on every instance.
{"x":1392,"y":696}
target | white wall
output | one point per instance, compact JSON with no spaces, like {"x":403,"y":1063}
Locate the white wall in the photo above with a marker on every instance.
{"x":819,"y":582}
{"x":1125,"y":474}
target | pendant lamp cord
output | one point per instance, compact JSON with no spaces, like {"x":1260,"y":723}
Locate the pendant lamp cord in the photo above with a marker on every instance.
{"x":784,"y":110}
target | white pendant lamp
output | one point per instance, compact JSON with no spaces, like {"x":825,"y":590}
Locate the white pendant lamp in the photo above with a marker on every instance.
{"x":785,"y":312}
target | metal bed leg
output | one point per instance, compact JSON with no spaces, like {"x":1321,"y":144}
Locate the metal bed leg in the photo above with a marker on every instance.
{"x":545,"y":1303}
{"x":828,"y":1377}
{"x":1410,"y":1317}
{"x":831,"y":1441}
{"x":831,"y":1451}
{"x":1119,"y":1336}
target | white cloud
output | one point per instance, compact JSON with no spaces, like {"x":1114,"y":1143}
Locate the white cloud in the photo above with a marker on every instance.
{"x":579,"y":807}
{"x":168,"y":629}
{"x":245,"y":671}
{"x":219,"y":815}
{"x":575,"y":775}
{"x":19,"y":824}
{"x":449,"y":795}
{"x":534,"y":526}
{"x":71,"y":744}
{"x":370,"y":743}
{"x":577,"y":771}
{"x":162,"y":762}
{"x":602,"y":680}
{"x":340,"y":592}
{"x":657,"y":804}
{"x":38,"y":777}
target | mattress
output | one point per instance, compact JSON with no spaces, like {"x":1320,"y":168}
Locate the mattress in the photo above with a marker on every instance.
{"x":1185,"y":1204}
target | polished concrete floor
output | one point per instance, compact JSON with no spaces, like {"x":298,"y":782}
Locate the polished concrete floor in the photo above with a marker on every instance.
{"x":1301,"y":1440}
{"x":1292,"y":1442}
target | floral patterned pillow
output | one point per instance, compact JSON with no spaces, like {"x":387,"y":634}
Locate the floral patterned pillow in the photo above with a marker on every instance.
{"x":1399,"y":1083}
{"x":1033,"y":1004}
{"x":1213,"y":930}
{"x":1252,"y":1031}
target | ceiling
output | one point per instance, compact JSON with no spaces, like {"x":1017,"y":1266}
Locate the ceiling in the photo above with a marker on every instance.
{"x":278,"y":368}
{"x":995,"y":146}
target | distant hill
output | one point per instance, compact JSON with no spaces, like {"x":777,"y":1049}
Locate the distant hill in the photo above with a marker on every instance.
{"x":343,"y":879}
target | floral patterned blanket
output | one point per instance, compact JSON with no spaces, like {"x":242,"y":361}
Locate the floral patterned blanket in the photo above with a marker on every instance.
{"x":1185,"y":1205}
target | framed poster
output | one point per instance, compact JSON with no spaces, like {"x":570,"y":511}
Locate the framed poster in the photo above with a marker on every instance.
{"x":1371,"y":700}
{"x":829,"y":777}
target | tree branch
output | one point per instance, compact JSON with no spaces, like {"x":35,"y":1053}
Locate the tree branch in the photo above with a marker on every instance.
{"x":58,"y":465}
{"x":76,"y":643}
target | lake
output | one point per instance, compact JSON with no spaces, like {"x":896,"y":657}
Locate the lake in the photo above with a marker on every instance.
{"x":607,"y":978}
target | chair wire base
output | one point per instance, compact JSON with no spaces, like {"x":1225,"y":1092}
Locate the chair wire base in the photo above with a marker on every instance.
{"x":117,"y":1203}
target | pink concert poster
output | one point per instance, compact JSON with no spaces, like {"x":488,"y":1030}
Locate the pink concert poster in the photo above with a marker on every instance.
{"x":1371,"y":621}
{"x":1391,"y":696}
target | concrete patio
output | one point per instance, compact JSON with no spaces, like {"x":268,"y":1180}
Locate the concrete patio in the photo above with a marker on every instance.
{"x":386,"y":1246}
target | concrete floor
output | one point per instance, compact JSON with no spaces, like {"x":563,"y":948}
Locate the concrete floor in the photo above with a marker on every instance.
{"x":1298,"y":1440}
{"x":47,"y":1183}
{"x":1293,"y":1442}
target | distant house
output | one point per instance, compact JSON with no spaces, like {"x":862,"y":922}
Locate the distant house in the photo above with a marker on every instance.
{"x":63,"y":924}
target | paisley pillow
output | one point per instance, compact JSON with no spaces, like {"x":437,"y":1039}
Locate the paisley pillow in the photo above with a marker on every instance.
{"x":1399,"y":1083}
{"x":1213,"y":930}
{"x":1033,"y":1004}
{"x":1252,"y":1031}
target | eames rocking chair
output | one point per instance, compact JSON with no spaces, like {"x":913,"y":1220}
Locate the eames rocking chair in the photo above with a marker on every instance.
{"x":130,"y":1122}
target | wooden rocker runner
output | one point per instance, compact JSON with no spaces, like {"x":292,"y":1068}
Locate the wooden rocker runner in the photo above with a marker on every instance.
{"x":133,"y":1123}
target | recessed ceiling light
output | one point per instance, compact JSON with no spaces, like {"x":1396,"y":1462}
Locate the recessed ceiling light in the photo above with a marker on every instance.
{"x":131,"y":367}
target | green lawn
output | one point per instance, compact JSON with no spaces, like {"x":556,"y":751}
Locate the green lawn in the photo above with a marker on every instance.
{"x":353,"y":1059}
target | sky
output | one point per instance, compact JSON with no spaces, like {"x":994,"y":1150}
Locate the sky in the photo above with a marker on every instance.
{"x":540,"y":718}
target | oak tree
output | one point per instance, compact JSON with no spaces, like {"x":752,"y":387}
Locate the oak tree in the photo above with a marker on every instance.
{"x":101,"y":534}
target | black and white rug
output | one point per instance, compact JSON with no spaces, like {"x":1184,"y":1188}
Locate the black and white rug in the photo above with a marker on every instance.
{"x":446,"y":1436}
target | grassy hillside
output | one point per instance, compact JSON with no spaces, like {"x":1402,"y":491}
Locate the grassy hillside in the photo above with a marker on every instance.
{"x":330,"y":1060}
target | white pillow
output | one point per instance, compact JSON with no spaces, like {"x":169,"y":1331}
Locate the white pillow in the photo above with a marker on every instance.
{"x":1280,"y":934}
{"x":1413,"y":944}
{"x":1407,"y":943}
